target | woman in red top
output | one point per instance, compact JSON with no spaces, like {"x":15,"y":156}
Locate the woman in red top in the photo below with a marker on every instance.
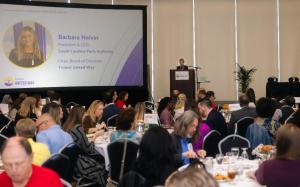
{"x":123,"y":96}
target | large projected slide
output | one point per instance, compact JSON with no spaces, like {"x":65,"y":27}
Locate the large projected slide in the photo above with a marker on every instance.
{"x":44,"y":46}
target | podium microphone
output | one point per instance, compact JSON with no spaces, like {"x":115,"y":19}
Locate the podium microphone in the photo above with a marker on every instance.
{"x":195,"y":67}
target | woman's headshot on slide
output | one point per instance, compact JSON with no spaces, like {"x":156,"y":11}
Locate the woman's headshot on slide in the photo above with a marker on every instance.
{"x":27,"y":50}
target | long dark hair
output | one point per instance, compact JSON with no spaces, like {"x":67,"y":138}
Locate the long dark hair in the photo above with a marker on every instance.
{"x":251,"y":95}
{"x":122,"y":95}
{"x":156,"y":152}
{"x":163,"y":103}
{"x":74,"y":118}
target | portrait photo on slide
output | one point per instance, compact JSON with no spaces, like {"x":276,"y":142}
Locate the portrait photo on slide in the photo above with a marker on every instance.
{"x":27,"y":44}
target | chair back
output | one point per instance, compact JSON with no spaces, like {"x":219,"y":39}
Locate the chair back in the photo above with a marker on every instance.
{"x":7,"y":126}
{"x":118,"y":150}
{"x":242,"y":125}
{"x":72,"y":151}
{"x":150,"y":106}
{"x":233,"y":140}
{"x":111,"y":121}
{"x":2,"y":139}
{"x":59,"y":163}
{"x":65,"y":183}
{"x":210,"y":142}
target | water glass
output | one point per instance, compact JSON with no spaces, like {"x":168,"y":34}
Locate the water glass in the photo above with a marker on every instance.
{"x":244,"y":154}
{"x":229,"y":156}
{"x":209,"y":163}
{"x":239,"y":171}
{"x":219,"y":158}
{"x":235,"y":152}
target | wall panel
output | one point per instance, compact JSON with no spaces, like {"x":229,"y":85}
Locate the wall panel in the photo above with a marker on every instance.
{"x":215,"y":46}
{"x":258,"y":40}
{"x":290,"y":38}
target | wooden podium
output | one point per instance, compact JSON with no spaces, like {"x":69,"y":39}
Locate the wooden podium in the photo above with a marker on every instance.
{"x":184,"y":81}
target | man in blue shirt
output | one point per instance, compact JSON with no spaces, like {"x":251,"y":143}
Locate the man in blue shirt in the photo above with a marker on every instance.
{"x":51,"y":133}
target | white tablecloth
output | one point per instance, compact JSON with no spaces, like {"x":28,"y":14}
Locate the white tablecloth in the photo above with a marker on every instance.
{"x":243,"y":180}
{"x":101,"y":147}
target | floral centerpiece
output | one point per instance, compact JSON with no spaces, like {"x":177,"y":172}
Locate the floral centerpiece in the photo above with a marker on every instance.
{"x":264,"y":152}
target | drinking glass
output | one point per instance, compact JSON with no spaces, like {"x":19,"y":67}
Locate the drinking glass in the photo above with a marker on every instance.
{"x":244,"y":154}
{"x":209,"y":164}
{"x":239,"y":171}
{"x":228,"y":157}
{"x":235,"y":152}
{"x":231,"y":172}
{"x":219,"y":158}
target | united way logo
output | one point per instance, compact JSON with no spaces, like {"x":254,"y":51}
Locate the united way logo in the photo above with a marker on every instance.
{"x":8,"y":81}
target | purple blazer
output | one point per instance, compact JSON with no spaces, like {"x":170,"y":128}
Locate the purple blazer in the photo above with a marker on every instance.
{"x":203,"y":131}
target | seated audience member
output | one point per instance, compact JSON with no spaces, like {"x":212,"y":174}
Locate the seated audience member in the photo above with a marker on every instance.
{"x":110,"y":109}
{"x":201,"y":94}
{"x":7,"y":100}
{"x":210,"y":95}
{"x":54,"y":110}
{"x":56,"y":98}
{"x":261,"y":130}
{"x":27,"y":109}
{"x":15,"y":107}
{"x":284,"y":169}
{"x":251,"y":95}
{"x":126,"y":125}
{"x":164,"y":112}
{"x":212,"y":118}
{"x":122,"y":98}
{"x":50,"y":133}
{"x":185,"y":127}
{"x":202,"y":130}
{"x":194,"y":175}
{"x":174,"y":95}
{"x":285,"y":111}
{"x":155,"y":161}
{"x":86,"y":166}
{"x":38,"y":104}
{"x":17,"y":156}
{"x":180,"y":106}
{"x":26,"y":128}
{"x":92,"y":117}
{"x":245,"y":111}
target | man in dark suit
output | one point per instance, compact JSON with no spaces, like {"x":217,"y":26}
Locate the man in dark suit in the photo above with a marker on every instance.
{"x":214,"y":119}
{"x":285,"y":111}
{"x":181,"y":66}
{"x":110,"y":108}
{"x":245,"y":111}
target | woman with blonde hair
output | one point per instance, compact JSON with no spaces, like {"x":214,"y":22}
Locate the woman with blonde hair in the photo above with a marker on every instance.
{"x":140,"y":109}
{"x":180,"y":106}
{"x":27,"y":109}
{"x":92,"y":117}
{"x":27,"y":52}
